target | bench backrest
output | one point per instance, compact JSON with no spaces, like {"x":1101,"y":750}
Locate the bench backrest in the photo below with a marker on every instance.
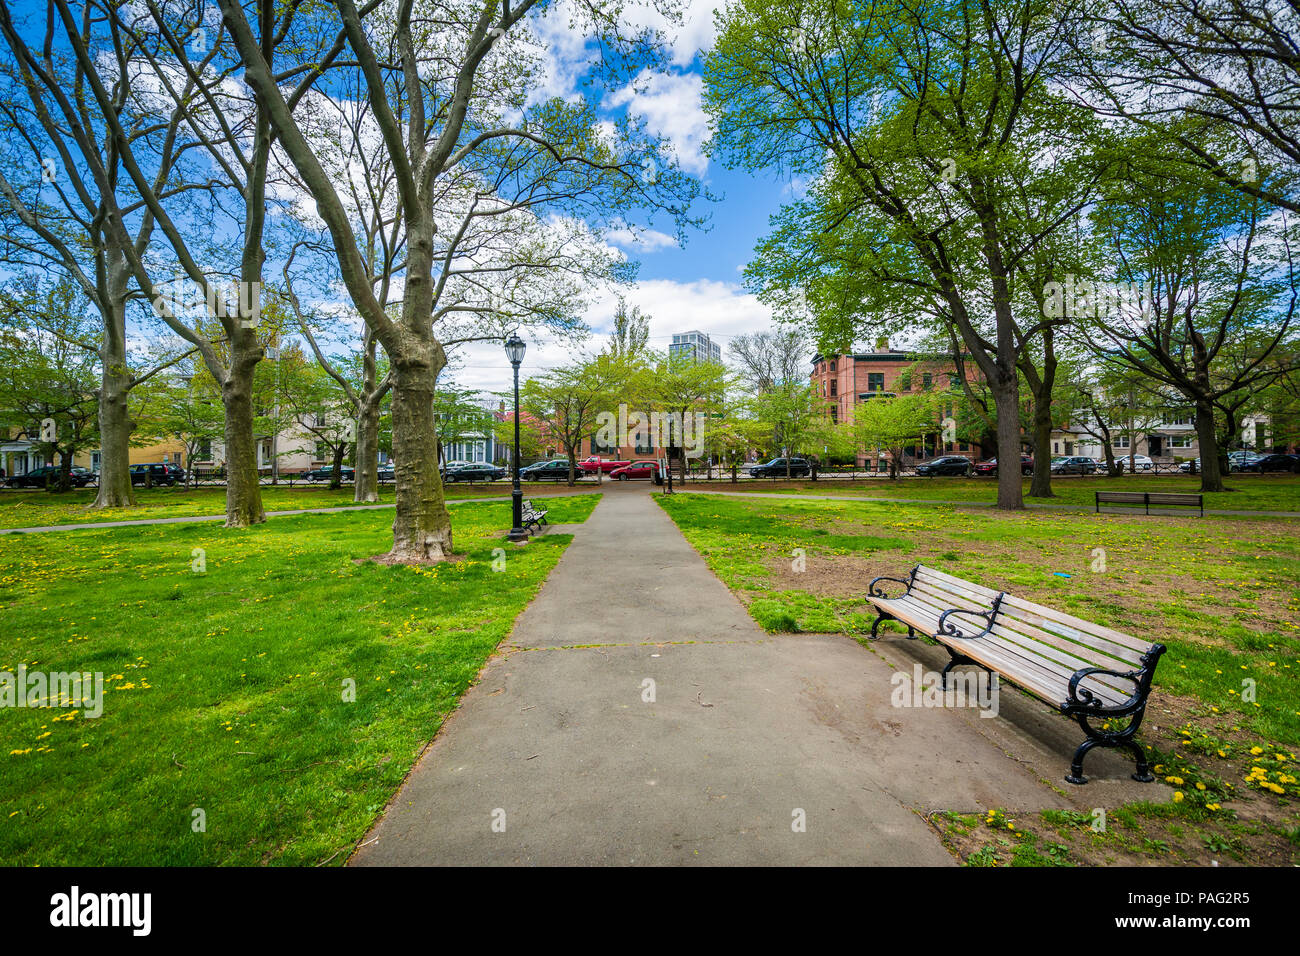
{"x":1173,"y":498}
{"x":1126,"y":497}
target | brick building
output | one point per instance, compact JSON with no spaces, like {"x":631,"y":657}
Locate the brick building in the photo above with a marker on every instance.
{"x":849,"y":379}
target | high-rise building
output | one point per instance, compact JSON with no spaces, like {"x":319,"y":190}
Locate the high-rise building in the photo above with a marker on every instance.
{"x":697,"y":345}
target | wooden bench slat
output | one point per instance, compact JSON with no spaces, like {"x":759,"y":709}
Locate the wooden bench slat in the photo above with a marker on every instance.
{"x":1062,"y":663}
{"x":1097,"y":651}
{"x":1045,"y":683}
{"x":974,"y":588}
{"x":1087,"y":627}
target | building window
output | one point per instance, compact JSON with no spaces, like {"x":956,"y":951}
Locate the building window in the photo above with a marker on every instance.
{"x":835,"y":414}
{"x":643,"y":446}
{"x":1121,"y":441}
{"x":834,"y":388}
{"x":832,"y":366}
{"x":1184,"y":441}
{"x":927,"y":380}
{"x":875,"y":381}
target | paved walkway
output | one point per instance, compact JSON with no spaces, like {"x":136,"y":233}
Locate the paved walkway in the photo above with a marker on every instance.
{"x":556,"y":756}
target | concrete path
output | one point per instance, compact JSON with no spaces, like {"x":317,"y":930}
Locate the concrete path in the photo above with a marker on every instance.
{"x":637,"y":715}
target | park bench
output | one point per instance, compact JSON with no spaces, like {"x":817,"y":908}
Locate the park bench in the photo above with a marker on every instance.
{"x":1161,"y":499}
{"x":1085,"y":671}
{"x":531,"y":516}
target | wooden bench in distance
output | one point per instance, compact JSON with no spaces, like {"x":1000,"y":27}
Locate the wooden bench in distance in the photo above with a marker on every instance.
{"x":531,"y":516}
{"x":1161,"y":499}
{"x":1083,"y":670}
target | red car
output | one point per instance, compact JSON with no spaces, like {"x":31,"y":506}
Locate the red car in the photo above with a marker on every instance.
{"x":636,"y":469}
{"x":589,"y":466}
{"x":990,"y":467}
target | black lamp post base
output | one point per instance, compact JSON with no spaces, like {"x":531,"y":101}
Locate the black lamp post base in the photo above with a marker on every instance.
{"x":518,"y":535}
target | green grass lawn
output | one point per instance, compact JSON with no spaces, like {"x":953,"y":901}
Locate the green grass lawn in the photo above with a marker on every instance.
{"x":1249,"y":492}
{"x":37,"y":509}
{"x":1223,"y":595}
{"x":225,"y":690}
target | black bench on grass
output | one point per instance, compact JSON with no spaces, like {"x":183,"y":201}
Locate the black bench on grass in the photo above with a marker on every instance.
{"x":531,"y":516}
{"x":1084,"y":670}
{"x":1161,"y":499}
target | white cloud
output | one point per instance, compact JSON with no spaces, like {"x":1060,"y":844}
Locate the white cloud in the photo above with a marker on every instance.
{"x":720,"y":309}
{"x":640,"y":240}
{"x":670,"y":104}
{"x":685,"y":39}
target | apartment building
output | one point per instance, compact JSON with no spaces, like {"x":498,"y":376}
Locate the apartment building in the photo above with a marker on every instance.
{"x":698,"y":346}
{"x":848,"y":379}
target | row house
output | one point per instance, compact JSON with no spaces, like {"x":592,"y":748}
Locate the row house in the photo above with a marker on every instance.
{"x":847,"y":380}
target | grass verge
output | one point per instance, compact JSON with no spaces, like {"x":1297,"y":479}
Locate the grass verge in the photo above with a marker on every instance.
{"x":41,"y":509}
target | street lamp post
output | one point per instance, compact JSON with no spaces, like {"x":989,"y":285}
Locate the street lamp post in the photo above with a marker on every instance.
{"x":515,"y":352}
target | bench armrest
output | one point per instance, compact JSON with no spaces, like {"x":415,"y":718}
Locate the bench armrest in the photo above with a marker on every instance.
{"x":951,"y":630}
{"x":874,"y":591}
{"x":1085,"y":701}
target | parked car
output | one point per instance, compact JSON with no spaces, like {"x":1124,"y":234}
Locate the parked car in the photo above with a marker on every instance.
{"x":346,"y":473}
{"x":157,"y":473}
{"x":589,"y":466}
{"x":1135,"y":463}
{"x":1238,"y":460}
{"x":1273,"y":463}
{"x":479,"y":471}
{"x":990,"y":467}
{"x":636,"y":469}
{"x":947,"y":465}
{"x":49,"y":474}
{"x":1186,"y":467}
{"x":84,"y":476}
{"x":386,"y":473}
{"x":556,"y":468}
{"x":776,"y":468}
{"x":1073,"y":465}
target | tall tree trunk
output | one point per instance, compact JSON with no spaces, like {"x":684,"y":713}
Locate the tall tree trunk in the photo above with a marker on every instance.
{"x":115,"y":425}
{"x":1041,"y":485}
{"x":366,"y":467}
{"x":1211,"y":469}
{"x":421,"y":524}
{"x":1006,"y":399}
{"x":336,"y":470}
{"x":243,"y":491}
{"x":1042,"y":384}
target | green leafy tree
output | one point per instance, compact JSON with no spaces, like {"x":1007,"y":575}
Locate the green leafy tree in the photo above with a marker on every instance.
{"x":892,"y":424}
{"x":941,"y":158}
{"x":566,"y":401}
